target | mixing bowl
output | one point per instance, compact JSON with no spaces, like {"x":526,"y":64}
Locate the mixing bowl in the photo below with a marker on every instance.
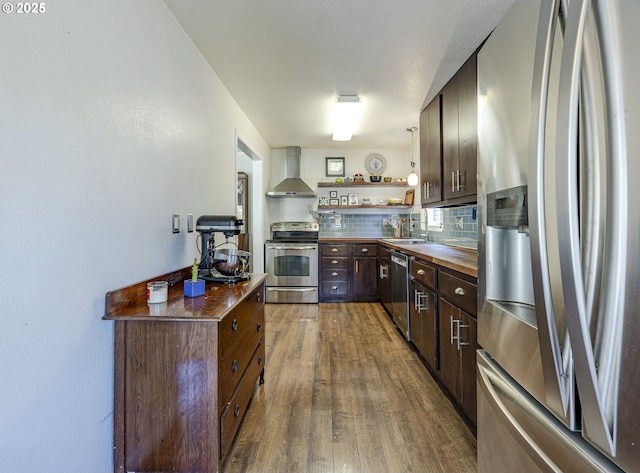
{"x":231,"y":262}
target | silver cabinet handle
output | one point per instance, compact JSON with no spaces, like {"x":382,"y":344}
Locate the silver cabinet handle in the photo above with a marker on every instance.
{"x":459,"y":335}
{"x":334,"y":288}
{"x":334,"y":274}
{"x":365,"y":250}
{"x":421,"y":272}
{"x":357,"y":266}
{"x":334,"y":250}
{"x":451,"y":321}
{"x":459,"y":291}
{"x":334,"y":261}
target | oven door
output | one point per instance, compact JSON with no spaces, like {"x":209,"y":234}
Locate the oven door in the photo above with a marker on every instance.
{"x":291,"y":264}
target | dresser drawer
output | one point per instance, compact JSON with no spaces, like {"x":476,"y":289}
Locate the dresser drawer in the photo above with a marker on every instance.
{"x":365,"y":249}
{"x":334,"y":275}
{"x":240,"y":322}
{"x":334,"y":250}
{"x":234,"y":411}
{"x":232,"y":367}
{"x":334,"y":262}
{"x":334,"y":288}
{"x":462,"y":293}
{"x":424,"y":273}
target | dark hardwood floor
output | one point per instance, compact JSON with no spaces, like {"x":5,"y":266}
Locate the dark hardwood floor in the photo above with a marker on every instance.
{"x":344,"y":392}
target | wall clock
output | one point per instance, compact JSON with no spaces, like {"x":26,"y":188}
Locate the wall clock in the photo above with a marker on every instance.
{"x":375,"y":163}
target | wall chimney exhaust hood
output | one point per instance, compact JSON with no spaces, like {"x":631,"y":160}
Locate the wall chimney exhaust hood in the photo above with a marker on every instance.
{"x":292,"y":185}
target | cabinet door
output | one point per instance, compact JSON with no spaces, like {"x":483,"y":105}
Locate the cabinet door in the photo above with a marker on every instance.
{"x":468,"y":331}
{"x":415,"y":318}
{"x":450,"y":160}
{"x":365,"y":276}
{"x":468,"y":127}
{"x":430,"y":327}
{"x":431,"y":153}
{"x":384,"y":283}
{"x":449,"y":353}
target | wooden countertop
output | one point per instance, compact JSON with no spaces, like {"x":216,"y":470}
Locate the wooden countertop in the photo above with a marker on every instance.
{"x":130,"y":303}
{"x":463,"y":260}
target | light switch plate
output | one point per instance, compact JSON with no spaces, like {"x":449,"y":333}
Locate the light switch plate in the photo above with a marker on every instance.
{"x":189,"y":223}
{"x":175,"y":223}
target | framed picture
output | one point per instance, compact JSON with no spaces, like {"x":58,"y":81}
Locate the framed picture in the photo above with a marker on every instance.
{"x":335,"y":167}
{"x":333,"y":194}
{"x":334,"y":202}
{"x":323,"y":200}
{"x":353,"y":199}
{"x":344,"y":200}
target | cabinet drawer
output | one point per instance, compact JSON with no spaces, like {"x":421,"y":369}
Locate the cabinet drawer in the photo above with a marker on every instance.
{"x":462,"y":293}
{"x":334,"y":288}
{"x":365,"y":249}
{"x":232,"y":367}
{"x":424,"y":273}
{"x":334,"y":250}
{"x":334,"y":275}
{"x":334,"y":263}
{"x":241,"y":322}
{"x":234,"y":411}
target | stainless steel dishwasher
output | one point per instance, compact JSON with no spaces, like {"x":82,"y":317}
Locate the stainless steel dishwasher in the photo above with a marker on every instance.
{"x":400,"y":281}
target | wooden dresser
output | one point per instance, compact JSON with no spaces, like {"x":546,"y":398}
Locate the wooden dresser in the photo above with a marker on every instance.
{"x":184,"y":372}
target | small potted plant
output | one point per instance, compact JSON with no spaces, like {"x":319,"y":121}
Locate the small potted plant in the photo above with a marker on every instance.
{"x":194,"y":287}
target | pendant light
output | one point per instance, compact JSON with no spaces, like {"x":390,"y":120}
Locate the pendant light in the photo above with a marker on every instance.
{"x":413,"y":178}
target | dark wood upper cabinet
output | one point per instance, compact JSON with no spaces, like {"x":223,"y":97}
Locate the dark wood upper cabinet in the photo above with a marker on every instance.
{"x":449,"y":141}
{"x":431,"y":153}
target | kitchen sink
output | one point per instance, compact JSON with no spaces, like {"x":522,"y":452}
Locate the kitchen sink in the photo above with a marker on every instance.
{"x":403,"y":241}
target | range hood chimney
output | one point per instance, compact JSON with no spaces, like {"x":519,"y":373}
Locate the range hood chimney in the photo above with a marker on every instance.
{"x":292,"y":186}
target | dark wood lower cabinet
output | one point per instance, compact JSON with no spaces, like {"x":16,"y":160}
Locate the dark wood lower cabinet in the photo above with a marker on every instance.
{"x":384,"y":278}
{"x":424,"y":322}
{"x":348,"y":271}
{"x":458,"y":355}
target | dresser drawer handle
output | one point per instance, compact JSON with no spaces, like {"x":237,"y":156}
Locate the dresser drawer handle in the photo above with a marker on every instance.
{"x":234,"y":325}
{"x":421,"y":272}
{"x":334,"y":288}
{"x":335,"y":250}
{"x":365,"y":250}
{"x":260,"y":360}
{"x":259,"y":297}
{"x":334,"y":274}
{"x":459,"y":291}
{"x":234,"y":366}
{"x":334,"y":262}
{"x":236,"y":411}
{"x":259,"y":327}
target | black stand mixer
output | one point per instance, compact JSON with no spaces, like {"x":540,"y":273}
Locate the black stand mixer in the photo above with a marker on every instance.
{"x":228,"y":265}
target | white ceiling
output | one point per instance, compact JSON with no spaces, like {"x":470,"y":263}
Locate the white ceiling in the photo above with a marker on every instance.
{"x":284,"y":61}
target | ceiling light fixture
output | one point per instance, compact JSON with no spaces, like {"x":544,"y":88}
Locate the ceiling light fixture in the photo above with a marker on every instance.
{"x":347,"y":111}
{"x":413,"y":178}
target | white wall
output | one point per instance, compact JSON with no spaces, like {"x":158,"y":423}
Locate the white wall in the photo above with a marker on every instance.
{"x":111,"y":120}
{"x":313,"y":170}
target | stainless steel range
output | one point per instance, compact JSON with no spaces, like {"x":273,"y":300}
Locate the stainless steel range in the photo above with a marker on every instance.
{"x":291,"y":259}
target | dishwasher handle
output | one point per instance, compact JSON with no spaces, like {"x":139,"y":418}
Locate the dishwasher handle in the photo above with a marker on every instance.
{"x":399,"y":260}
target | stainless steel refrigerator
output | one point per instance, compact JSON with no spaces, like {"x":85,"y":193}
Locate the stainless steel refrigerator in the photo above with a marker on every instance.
{"x":559,"y":277}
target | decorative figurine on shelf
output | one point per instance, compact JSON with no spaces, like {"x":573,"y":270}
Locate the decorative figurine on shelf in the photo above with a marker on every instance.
{"x":194,"y":287}
{"x":358,"y":178}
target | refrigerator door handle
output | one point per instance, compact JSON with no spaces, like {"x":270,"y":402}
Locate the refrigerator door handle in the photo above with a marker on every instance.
{"x":597,"y":362}
{"x":556,"y":361}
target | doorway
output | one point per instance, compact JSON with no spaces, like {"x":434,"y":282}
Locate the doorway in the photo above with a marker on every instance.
{"x":249,"y":203}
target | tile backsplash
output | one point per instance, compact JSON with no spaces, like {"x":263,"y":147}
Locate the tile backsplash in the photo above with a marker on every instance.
{"x":414,"y":225}
{"x":460,"y":227}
